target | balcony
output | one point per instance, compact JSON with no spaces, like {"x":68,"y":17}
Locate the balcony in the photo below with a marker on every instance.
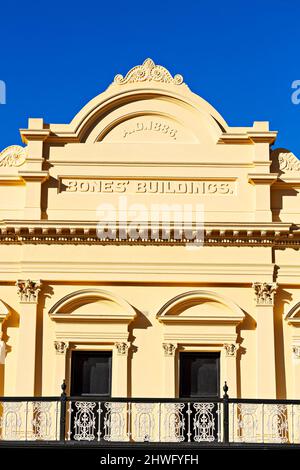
{"x":141,"y":421}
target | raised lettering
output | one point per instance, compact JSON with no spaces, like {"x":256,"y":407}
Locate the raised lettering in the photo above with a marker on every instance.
{"x":212,"y":188}
{"x":141,"y":187}
{"x":84,"y":186}
{"x":107,"y":186}
{"x":120,"y":186}
{"x":71,"y":186}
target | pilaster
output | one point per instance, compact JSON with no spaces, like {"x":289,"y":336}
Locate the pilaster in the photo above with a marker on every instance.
{"x":230,"y":359}
{"x":61,"y":349}
{"x":169,"y":369}
{"x":266,"y":368}
{"x":28,"y":292}
{"x":120,"y":369}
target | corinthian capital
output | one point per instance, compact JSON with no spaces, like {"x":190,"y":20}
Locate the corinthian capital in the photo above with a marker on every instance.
{"x":230,"y":350}
{"x":28,"y":290}
{"x":122,"y":348}
{"x":61,"y":347}
{"x":169,"y":349}
{"x":264,"y":292}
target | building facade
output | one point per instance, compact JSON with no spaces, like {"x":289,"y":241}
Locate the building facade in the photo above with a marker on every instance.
{"x":149,"y":250}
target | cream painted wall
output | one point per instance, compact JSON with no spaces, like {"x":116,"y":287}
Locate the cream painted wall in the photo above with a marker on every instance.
{"x":150,"y":142}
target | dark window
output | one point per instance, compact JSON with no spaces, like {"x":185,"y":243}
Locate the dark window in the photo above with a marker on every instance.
{"x":91,"y":373}
{"x":199,"y":375}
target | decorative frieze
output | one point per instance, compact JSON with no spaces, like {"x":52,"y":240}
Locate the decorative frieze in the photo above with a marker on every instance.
{"x":61,"y":347}
{"x":169,"y":349}
{"x":296,"y":351}
{"x":122,"y":348}
{"x":264,"y":292}
{"x":230,"y":350}
{"x":28,"y":290}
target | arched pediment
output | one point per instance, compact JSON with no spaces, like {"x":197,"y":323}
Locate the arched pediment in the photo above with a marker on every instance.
{"x":200,"y":307}
{"x":148,"y":105}
{"x":92,"y":305}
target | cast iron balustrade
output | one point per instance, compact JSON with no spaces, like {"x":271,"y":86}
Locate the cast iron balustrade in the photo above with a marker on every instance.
{"x":131,"y":420}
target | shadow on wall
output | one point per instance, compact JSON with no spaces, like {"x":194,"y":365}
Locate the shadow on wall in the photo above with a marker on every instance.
{"x":281,"y":193}
{"x":247,"y":324}
{"x":141,"y":322}
{"x":274,"y":157}
{"x":12,"y":321}
{"x":47,"y":291}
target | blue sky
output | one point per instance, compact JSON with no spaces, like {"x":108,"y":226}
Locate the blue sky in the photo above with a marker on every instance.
{"x":240,"y":56}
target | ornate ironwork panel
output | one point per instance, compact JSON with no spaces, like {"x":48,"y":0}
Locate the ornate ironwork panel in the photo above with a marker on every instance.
{"x":84,"y":423}
{"x":205,"y":422}
{"x":115,"y":421}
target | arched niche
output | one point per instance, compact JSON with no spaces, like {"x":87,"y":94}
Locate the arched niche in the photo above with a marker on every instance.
{"x":91,"y":319}
{"x":201,"y":307}
{"x":200,"y":321}
{"x":92,"y":305}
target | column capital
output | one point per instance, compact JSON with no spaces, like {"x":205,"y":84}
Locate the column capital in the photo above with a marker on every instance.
{"x":28,"y":290}
{"x":264,"y":293}
{"x":230,"y":350}
{"x":169,"y":349}
{"x":122,"y":348}
{"x":296,"y":351}
{"x":61,"y":347}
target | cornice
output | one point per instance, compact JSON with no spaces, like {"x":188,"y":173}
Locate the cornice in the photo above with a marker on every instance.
{"x":85,"y":232}
{"x":149,"y":163}
{"x":11,"y":180}
{"x":248,"y":137}
{"x":205,"y":319}
{"x":200,"y":338}
{"x":39,"y":176}
{"x":262,"y":178}
{"x":34,"y":134}
{"x":87,"y":318}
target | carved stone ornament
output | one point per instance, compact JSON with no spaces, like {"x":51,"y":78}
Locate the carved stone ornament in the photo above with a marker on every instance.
{"x":230,"y":350}
{"x":28,"y":290}
{"x":296,"y":351}
{"x":61,"y":347}
{"x":14,"y":155}
{"x":264,"y":292}
{"x":122,"y":348}
{"x":148,"y":72}
{"x":169,"y":349}
{"x":288,"y":162}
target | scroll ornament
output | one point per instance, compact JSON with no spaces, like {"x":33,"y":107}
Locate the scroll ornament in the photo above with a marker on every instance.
{"x":288,"y":162}
{"x":148,"y":72}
